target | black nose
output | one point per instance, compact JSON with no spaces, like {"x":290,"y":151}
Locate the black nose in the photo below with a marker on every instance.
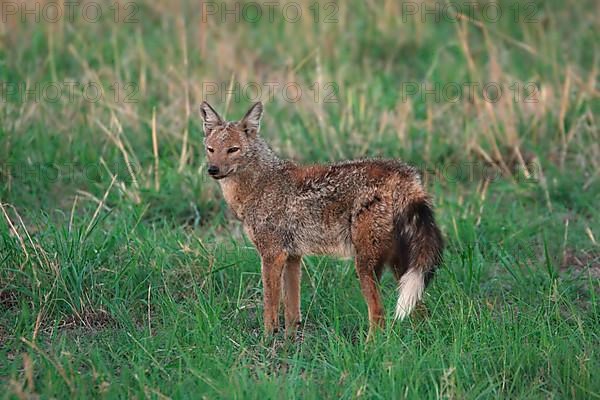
{"x":213,"y":170}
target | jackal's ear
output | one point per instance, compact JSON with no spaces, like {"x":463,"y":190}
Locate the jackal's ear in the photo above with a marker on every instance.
{"x":251,"y":121}
{"x":211,"y":118}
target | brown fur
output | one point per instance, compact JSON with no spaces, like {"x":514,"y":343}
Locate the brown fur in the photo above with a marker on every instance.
{"x":376,"y":211}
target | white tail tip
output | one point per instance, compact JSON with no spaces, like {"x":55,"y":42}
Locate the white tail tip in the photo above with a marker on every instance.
{"x":411,"y":289}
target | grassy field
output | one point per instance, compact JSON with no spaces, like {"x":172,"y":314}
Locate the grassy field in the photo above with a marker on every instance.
{"x":122,"y":274}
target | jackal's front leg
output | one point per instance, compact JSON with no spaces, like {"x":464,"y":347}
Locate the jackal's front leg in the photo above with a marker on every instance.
{"x":271,"y":269}
{"x":291,"y":294}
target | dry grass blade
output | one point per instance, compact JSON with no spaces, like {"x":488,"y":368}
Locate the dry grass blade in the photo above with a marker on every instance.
{"x":119,"y":143}
{"x":72,"y":213}
{"x":100,"y":206}
{"x":93,"y":198}
{"x":15,"y":233}
{"x":155,"y":152}
{"x":183,"y":158}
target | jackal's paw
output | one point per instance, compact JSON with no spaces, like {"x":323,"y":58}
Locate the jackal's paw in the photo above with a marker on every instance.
{"x":374,"y":332}
{"x":271,"y":331}
{"x":294,"y":332}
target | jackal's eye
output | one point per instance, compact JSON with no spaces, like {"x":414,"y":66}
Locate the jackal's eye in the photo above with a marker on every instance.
{"x":233,"y":149}
{"x":210,"y":149}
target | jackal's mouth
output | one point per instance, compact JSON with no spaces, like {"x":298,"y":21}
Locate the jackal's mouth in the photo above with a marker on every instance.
{"x":221,"y":176}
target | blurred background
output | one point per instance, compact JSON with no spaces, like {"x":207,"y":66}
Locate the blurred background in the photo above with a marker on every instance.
{"x":108,"y":217}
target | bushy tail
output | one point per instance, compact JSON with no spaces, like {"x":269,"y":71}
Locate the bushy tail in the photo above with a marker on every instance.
{"x":420,"y":238}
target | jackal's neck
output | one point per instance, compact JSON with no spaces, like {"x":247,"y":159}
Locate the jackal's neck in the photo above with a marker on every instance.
{"x":262,"y":167}
{"x":264,"y":158}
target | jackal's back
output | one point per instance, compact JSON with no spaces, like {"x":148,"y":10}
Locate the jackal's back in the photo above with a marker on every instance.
{"x":311,"y":209}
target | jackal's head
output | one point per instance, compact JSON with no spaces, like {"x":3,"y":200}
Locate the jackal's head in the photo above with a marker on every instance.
{"x":229,"y":144}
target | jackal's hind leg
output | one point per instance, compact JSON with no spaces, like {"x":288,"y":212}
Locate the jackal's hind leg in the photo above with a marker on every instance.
{"x":365,"y":268}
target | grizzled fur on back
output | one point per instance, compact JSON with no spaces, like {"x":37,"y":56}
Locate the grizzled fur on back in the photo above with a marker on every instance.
{"x":376,"y":211}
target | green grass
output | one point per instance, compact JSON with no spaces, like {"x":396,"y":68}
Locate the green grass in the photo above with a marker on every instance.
{"x":121,"y":280}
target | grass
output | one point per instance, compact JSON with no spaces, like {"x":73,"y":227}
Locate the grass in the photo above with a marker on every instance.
{"x":122,"y":274}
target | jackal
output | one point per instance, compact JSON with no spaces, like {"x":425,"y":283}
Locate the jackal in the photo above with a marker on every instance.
{"x":376,"y":211}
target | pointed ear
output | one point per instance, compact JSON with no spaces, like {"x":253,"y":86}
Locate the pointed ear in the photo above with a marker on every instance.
{"x":251,"y":121}
{"x":211,"y":118}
